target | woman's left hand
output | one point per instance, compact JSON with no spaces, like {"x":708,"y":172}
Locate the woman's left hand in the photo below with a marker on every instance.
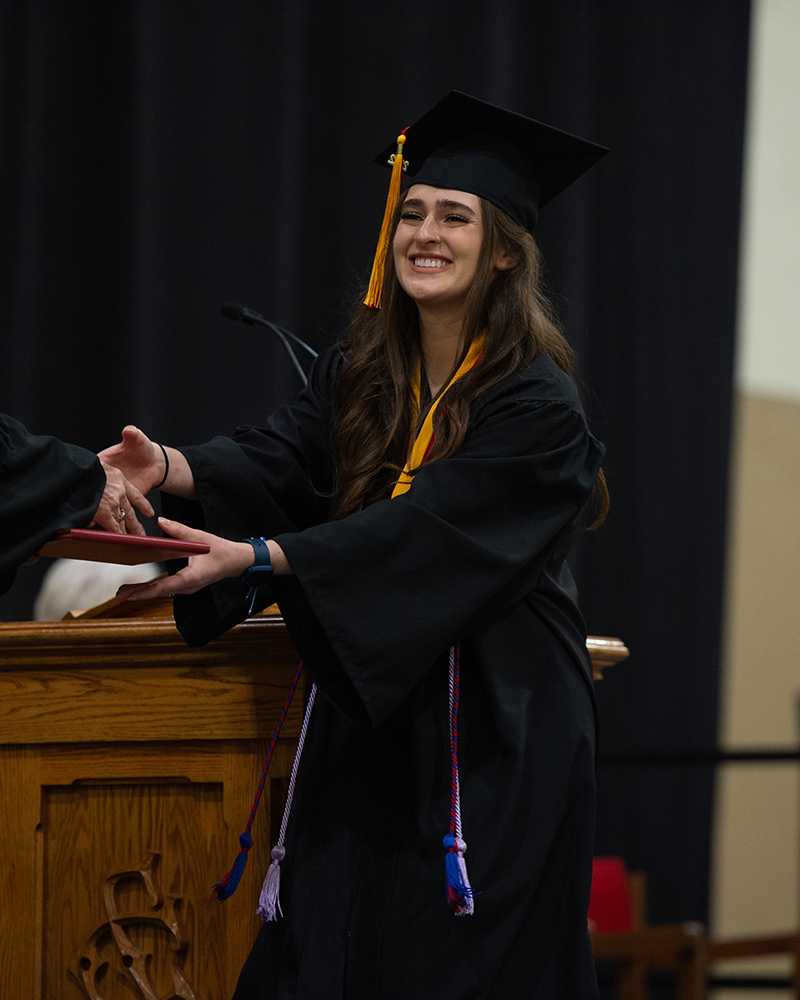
{"x":225,"y":559}
{"x":116,"y":511}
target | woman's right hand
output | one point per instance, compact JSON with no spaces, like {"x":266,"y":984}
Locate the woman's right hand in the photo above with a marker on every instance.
{"x":224,"y":559}
{"x":139,"y":459}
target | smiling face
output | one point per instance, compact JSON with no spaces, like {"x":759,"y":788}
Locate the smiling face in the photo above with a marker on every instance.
{"x":437,"y":245}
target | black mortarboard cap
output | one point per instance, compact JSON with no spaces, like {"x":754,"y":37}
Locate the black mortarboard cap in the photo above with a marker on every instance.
{"x":516,"y":163}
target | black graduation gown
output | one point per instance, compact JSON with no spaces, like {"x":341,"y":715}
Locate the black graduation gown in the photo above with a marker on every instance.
{"x":45,"y":485}
{"x":473,"y":552}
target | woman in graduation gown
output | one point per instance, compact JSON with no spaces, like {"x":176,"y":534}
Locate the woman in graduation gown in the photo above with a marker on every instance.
{"x":47,"y":485}
{"x":416,"y":505}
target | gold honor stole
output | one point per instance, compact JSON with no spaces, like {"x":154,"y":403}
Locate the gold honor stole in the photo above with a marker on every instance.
{"x":424,"y":440}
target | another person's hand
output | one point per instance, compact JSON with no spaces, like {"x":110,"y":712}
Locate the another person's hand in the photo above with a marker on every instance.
{"x":116,"y":509}
{"x":139,"y":459}
{"x":226,"y":559}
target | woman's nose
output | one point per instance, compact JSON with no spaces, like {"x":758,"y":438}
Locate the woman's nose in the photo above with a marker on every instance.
{"x":428,"y":232}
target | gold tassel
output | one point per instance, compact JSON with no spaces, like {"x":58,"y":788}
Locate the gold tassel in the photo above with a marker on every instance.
{"x":373,"y":299}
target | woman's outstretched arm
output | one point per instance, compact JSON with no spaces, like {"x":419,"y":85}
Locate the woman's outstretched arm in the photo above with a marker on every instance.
{"x":226,"y":559}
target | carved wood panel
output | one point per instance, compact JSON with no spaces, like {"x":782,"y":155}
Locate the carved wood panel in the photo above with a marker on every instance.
{"x":112,"y":946}
{"x":127,"y":907}
{"x":113,"y":854}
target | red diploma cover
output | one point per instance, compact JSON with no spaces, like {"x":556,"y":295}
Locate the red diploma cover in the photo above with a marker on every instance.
{"x":107,"y":546}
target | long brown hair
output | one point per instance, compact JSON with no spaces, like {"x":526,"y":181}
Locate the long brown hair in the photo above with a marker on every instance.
{"x":373,"y":404}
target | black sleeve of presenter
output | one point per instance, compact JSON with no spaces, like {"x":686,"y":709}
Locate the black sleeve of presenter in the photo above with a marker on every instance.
{"x":45,"y":485}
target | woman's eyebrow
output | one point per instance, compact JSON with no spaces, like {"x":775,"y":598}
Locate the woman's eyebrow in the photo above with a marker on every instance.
{"x":440,"y":203}
{"x":448,"y":203}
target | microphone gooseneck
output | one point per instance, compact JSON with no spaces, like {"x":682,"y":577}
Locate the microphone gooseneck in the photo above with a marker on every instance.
{"x":232,"y":310}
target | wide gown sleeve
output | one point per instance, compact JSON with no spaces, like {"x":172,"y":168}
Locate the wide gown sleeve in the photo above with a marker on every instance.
{"x":378,"y":597}
{"x":45,"y":485}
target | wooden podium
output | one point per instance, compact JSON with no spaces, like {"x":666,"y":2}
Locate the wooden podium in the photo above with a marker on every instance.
{"x":127,"y":768}
{"x":128,"y":763}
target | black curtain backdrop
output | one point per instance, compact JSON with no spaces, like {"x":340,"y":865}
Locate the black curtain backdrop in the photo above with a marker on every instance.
{"x":159,"y":158}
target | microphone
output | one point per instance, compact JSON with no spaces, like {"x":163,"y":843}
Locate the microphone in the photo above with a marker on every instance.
{"x":232,"y":310}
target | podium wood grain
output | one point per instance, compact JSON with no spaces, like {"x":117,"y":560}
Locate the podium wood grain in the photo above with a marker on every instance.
{"x":128,"y":764}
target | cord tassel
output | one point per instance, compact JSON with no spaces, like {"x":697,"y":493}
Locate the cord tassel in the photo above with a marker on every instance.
{"x":269,"y":904}
{"x":230,"y":880}
{"x":373,"y":299}
{"x":459,"y":892}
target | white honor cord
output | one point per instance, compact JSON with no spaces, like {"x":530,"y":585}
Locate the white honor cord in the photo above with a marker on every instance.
{"x":290,"y":794}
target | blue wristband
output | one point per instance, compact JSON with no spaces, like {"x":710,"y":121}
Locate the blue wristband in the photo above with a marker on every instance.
{"x":260,"y":572}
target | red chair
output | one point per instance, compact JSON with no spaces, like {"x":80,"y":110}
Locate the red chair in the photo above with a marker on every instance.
{"x":620,"y":934}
